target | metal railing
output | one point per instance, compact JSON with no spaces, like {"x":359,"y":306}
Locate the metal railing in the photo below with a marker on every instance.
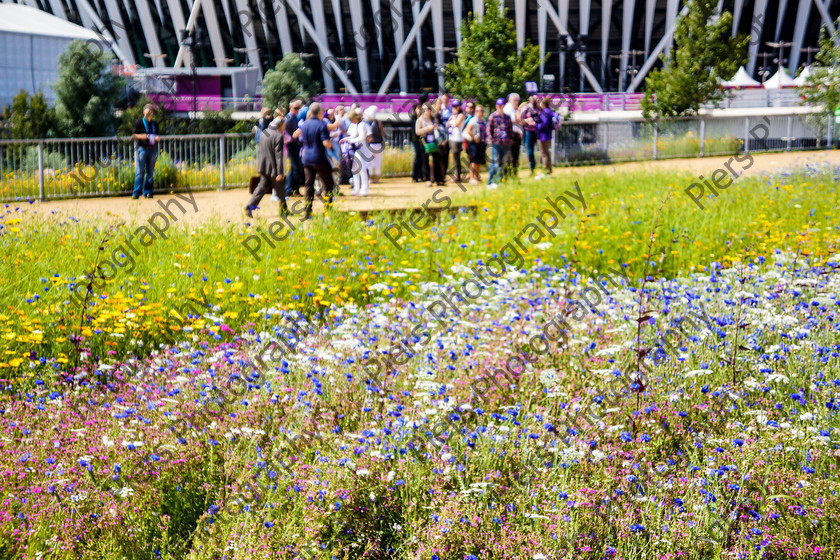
{"x":92,"y":167}
{"x":57,"y":169}
{"x":628,"y":140}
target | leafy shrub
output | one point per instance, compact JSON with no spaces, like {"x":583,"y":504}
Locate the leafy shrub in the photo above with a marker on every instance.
{"x":166,"y":174}
{"x":579,"y":155}
{"x":52,"y":160}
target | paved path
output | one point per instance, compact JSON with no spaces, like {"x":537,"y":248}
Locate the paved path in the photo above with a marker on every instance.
{"x":228,"y":206}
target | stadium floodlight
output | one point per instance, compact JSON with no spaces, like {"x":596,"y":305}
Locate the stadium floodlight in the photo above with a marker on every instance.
{"x":781,"y":46}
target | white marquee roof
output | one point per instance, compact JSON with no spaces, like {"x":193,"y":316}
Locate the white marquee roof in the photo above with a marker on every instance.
{"x":16,"y":18}
{"x":779,"y":80}
{"x":803,"y":76}
{"x":741,"y":80}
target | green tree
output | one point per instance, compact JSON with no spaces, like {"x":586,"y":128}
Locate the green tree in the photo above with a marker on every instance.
{"x":211,"y":122}
{"x":162,"y":116}
{"x":487,"y":65}
{"x":289,"y":79}
{"x":218,"y":122}
{"x":86,"y":91}
{"x":29,"y":117}
{"x":703,"y":54}
{"x":823,"y":87}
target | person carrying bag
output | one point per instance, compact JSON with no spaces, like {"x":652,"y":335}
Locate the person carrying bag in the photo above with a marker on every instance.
{"x":427,"y":129}
{"x":455,"y":124}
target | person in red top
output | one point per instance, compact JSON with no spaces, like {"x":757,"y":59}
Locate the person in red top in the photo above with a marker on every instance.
{"x":500,"y":132}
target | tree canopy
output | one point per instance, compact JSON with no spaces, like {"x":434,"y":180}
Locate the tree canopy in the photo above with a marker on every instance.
{"x":86,"y":91}
{"x":289,"y":79}
{"x":487,"y":64}
{"x":703,"y":54}
{"x":29,"y":116}
{"x":823,"y":86}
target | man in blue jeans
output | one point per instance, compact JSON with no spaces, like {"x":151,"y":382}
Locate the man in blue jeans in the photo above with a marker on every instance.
{"x":315,"y":137}
{"x":295,"y":176}
{"x":146,"y":136}
{"x":500,"y":131}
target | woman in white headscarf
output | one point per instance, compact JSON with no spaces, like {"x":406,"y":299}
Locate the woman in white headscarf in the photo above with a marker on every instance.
{"x":376,"y":143}
{"x":357,"y":136}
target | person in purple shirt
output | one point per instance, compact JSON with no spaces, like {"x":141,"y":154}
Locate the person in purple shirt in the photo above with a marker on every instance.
{"x":545,"y":130}
{"x":315,"y":138}
{"x":500,"y":132}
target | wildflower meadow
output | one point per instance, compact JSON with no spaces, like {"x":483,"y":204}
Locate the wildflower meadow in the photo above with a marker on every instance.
{"x":637,"y":379}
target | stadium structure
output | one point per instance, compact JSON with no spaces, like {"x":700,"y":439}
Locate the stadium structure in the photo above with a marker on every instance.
{"x":389,"y":46}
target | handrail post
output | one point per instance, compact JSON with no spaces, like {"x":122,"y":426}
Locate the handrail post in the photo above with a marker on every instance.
{"x":222,"y":159}
{"x":42,"y":193}
{"x":746,"y":135}
{"x":702,"y":137}
{"x":655,"y":138}
{"x":606,"y":126}
{"x":789,"y":132}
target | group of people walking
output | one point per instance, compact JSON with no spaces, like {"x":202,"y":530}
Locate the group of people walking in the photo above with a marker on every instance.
{"x":449,"y":127}
{"x":316,"y":143}
{"x":328,"y":144}
{"x":325,"y":144}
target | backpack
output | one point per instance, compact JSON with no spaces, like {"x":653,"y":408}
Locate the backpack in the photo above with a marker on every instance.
{"x":376,"y":133}
{"x":440,"y":135}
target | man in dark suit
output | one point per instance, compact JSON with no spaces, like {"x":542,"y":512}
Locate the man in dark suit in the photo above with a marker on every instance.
{"x":270,"y":164}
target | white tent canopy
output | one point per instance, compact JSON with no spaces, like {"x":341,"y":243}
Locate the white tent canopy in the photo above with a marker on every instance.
{"x":17,"y":18}
{"x":779,"y":80}
{"x":803,"y":76}
{"x":30,"y":43}
{"x":741,"y":80}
